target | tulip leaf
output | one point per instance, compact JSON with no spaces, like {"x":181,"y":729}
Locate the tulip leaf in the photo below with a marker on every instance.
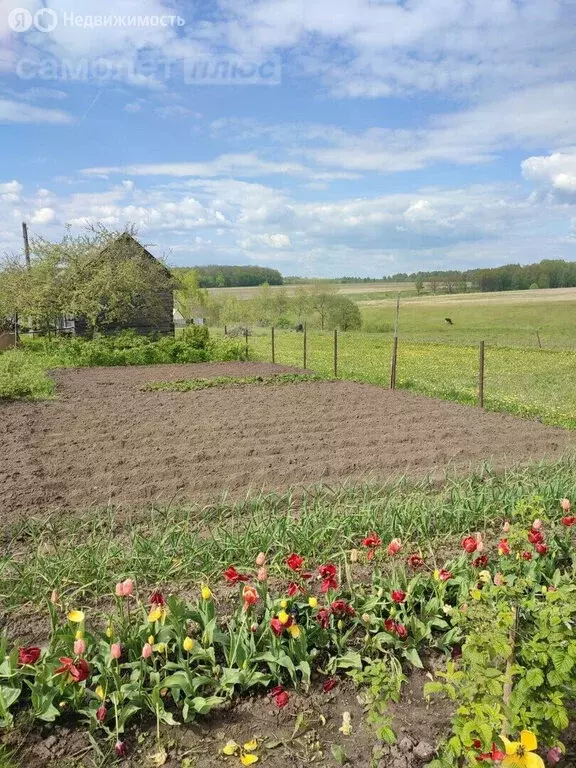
{"x":338,"y":754}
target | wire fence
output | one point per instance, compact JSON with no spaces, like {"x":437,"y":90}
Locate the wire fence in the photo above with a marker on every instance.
{"x":532,"y":382}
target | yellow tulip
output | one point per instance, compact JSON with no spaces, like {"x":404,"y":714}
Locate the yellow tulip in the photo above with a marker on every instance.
{"x":76,"y":617}
{"x":79,"y":635}
{"x":151,"y":640}
{"x":109,"y":632}
{"x":155,"y":614}
{"x":188,"y":644}
{"x":284,"y":604}
{"x":248,"y":759}
{"x":161,"y":647}
{"x":522,"y":754}
{"x":312,"y":602}
{"x":206,"y":592}
{"x":100,"y":692}
{"x":230,"y":748}
{"x":294,"y":631}
{"x":250,"y":746}
{"x":283,"y":617}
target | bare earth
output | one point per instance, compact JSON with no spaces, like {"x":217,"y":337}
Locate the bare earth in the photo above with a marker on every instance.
{"x":105,"y":440}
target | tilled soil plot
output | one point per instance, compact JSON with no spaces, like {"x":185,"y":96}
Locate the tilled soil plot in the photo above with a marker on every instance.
{"x":105,"y":440}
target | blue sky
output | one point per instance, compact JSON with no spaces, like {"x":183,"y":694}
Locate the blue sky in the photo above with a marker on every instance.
{"x":320,"y":137}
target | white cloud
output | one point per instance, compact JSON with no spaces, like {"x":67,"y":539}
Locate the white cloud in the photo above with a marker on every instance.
{"x":175,"y":111}
{"x":44,"y":216}
{"x":19,"y":112}
{"x":557,"y":171}
{"x":278,"y":240}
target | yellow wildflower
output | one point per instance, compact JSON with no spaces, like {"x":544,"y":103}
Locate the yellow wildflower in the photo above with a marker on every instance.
{"x":521,"y":754}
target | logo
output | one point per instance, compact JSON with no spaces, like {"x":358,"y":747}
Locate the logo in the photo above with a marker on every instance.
{"x":20,"y":20}
{"x":45,"y":20}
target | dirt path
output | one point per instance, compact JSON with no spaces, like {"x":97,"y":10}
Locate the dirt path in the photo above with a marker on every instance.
{"x":104,"y":439}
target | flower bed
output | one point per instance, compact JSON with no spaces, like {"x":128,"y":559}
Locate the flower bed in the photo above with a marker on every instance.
{"x":503,"y":616}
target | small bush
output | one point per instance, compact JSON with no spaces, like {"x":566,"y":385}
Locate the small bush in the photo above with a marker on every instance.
{"x":23,"y":377}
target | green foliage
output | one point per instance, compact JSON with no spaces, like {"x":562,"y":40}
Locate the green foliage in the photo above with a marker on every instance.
{"x":23,"y":377}
{"x":344,"y":314}
{"x":214,"y":276}
{"x":193,"y":385}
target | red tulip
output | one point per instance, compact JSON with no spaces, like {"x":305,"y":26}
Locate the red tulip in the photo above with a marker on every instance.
{"x":444,"y":575}
{"x":77,"y":671}
{"x":398,"y":595}
{"x":101,"y":713}
{"x":28,"y":655}
{"x":495,"y":755}
{"x":389,"y":625}
{"x":329,"y":685}
{"x":542,"y":549}
{"x":328,"y":574}
{"x":401,"y":631}
{"x":323,"y":618}
{"x":415,"y":561}
{"x":250,"y":596}
{"x":280,"y":696}
{"x":372,"y":541}
{"x":157,"y":598}
{"x":503,"y":547}
{"x":480,"y":562}
{"x":342,"y":608}
{"x":569,"y":520}
{"x":121,"y":749}
{"x":294,"y":562}
{"x":535,"y":536}
{"x":233,"y":577}
{"x":277,"y":627}
{"x":470,"y":544}
{"x":293,"y":589}
{"x":526,"y":555}
{"x":394,"y":547}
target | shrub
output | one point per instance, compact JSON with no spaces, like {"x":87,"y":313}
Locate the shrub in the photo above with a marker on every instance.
{"x":22,"y":377}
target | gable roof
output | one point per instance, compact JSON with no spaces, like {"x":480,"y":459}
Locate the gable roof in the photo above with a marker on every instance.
{"x":130,"y":242}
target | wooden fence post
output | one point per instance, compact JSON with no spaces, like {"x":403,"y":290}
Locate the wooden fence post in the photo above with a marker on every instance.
{"x":539,"y":342}
{"x":225,"y":330}
{"x":246,"y":337}
{"x":481,"y":377}
{"x":273,"y":347}
{"x":394,"y":363}
{"x":335,"y":352}
{"x":305,"y":347}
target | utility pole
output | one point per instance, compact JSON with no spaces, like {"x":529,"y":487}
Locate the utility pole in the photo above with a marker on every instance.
{"x":26,"y":244}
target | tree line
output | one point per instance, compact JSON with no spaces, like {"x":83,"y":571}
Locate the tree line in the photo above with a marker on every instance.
{"x":548,"y":273}
{"x":215,"y":276}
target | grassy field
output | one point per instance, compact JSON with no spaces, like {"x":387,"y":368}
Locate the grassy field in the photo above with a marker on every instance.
{"x":376,"y":290}
{"x":528,"y":382}
{"x":504,"y":319}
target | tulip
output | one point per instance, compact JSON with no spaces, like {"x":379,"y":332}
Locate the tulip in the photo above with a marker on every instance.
{"x":253,"y":627}
{"x":398,"y":595}
{"x":354,"y":555}
{"x":312,"y":602}
{"x":54,"y":597}
{"x":503,"y":547}
{"x":535,"y":536}
{"x":115,"y":650}
{"x":101,"y":713}
{"x":121,"y":749}
{"x":280,"y":696}
{"x":161,"y":647}
{"x":77,"y":671}
{"x":415,"y":561}
{"x":127,"y":587}
{"x":394,"y":547}
{"x":366,"y":618}
{"x":283,"y":617}
{"x":480,"y":562}
{"x":119,"y":589}
{"x":569,"y":520}
{"x":100,"y":692}
{"x":261,"y":559}
{"x":555,"y":753}
{"x":250,"y":597}
{"x":79,"y":647}
{"x":206,"y":592}
{"x":469,"y":544}
{"x":401,"y":631}
{"x":277,"y":627}
{"x":233,"y":576}
{"x":262,"y":574}
{"x":76,"y":617}
{"x":526,"y":555}
{"x":566,"y":506}
{"x":499,"y":580}
{"x":372,"y":541}
{"x":151,"y":639}
{"x":188,"y":644}
{"x":294,"y":631}
{"x":536,"y":525}
{"x":323,"y":618}
{"x":109,"y":631}
{"x":541,"y":548}
{"x":506,"y":527}
{"x":329,"y":685}
{"x":484,"y":577}
{"x":294,"y":562}
{"x":28,"y":655}
{"x":146,"y":651}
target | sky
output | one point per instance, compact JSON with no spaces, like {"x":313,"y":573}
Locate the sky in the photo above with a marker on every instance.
{"x":318,"y":137}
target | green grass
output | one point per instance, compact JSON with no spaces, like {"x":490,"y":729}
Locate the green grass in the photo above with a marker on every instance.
{"x":82,"y":556}
{"x":526,"y":382}
{"x":192,"y":385}
{"x":493,"y":319}
{"x":23,"y":376}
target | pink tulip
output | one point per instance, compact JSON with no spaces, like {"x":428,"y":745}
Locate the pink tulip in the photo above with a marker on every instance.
{"x":394,"y":547}
{"x":127,"y":587}
{"x":261,"y":559}
{"x":479,"y":543}
{"x":536,"y":525}
{"x":115,"y":650}
{"x":146,"y":651}
{"x":262,"y":574}
{"x":554,"y":755}
{"x":79,"y":647}
{"x":506,"y":527}
{"x":499,"y":580}
{"x":119,"y":589}
{"x":565,"y":504}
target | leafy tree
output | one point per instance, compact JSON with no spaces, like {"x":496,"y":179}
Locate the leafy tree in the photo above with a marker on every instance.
{"x":191,"y":300}
{"x":344,"y":314}
{"x":322,"y":296}
{"x":419,"y":285}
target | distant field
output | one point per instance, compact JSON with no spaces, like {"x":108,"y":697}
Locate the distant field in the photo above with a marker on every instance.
{"x":349,"y":289}
{"x":527,"y":382}
{"x":498,"y":318}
